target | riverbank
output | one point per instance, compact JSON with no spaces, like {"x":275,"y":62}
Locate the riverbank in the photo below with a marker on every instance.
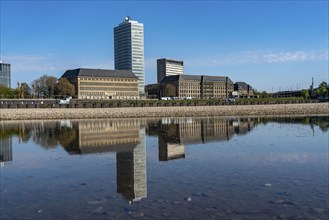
{"x":147,"y":112}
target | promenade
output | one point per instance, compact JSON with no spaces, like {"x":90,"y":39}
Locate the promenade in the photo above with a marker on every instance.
{"x":147,"y":112}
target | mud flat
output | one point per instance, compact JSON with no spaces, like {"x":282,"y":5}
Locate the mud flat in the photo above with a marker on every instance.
{"x":147,"y":112}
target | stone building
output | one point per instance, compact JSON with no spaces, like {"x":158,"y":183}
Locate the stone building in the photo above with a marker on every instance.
{"x":216,"y":87}
{"x":196,"y":86}
{"x":243,"y":89}
{"x":103,"y":84}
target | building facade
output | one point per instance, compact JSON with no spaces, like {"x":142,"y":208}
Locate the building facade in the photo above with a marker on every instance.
{"x":196,"y":86}
{"x":169,"y":67}
{"x":129,"y":49}
{"x":243,"y":89}
{"x":152,"y":91}
{"x":103,"y":84}
{"x":5,"y":75}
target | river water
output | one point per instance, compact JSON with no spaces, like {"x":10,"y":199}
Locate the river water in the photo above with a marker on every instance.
{"x":168,"y":168}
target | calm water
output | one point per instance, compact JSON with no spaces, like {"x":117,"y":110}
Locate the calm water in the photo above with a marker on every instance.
{"x":170,"y":168}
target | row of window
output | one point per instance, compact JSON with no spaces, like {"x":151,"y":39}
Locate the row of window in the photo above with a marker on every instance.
{"x":103,"y":94}
{"x":133,"y":84}
{"x":109,"y":89}
{"x":108,"y":79}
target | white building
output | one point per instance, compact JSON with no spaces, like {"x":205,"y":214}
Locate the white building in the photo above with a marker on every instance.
{"x":129,"y":49}
{"x":169,"y":67}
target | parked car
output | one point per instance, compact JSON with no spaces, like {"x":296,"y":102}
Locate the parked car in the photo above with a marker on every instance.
{"x":65,"y":101}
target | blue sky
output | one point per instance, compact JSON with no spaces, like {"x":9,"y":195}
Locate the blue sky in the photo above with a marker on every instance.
{"x":271,"y":45}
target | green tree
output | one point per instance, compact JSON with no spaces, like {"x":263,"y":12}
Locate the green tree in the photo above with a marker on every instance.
{"x":64,"y":88}
{"x":321,"y":90}
{"x":305,"y":94}
{"x":7,"y":93}
{"x":264,"y":94}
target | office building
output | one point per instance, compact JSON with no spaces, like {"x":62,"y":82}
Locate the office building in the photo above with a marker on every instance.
{"x":103,"y":84}
{"x":129,"y":49}
{"x":152,"y":91}
{"x":169,"y":67}
{"x":5,"y":75}
{"x":243,"y":89}
{"x":196,"y":86}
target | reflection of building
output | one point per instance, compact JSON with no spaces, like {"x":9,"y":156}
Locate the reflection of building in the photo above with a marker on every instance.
{"x":196,"y":86}
{"x":131,"y":172}
{"x":98,"y":136}
{"x":175,"y":133}
{"x":168,"y":151}
{"x":5,"y":76}
{"x":129,"y":49}
{"x":127,"y":139}
{"x":6,"y":153}
{"x":243,"y":125}
{"x":169,"y":67}
{"x":103,"y":84}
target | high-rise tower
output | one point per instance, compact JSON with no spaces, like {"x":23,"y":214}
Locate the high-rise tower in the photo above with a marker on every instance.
{"x":169,"y":67}
{"x":129,"y":49}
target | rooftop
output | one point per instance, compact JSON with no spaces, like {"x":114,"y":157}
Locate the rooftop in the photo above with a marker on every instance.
{"x":196,"y":78}
{"x":98,"y":73}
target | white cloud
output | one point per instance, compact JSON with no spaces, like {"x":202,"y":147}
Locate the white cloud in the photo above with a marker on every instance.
{"x":30,"y":63}
{"x":51,"y":63}
{"x":260,"y":57}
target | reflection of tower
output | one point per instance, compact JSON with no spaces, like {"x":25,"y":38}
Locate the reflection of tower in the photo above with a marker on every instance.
{"x":168,"y":151}
{"x":131,"y":171}
{"x":6,"y":153}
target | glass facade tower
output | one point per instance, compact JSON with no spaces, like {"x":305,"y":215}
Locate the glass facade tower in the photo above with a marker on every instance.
{"x":5,"y":77}
{"x":129,"y":49}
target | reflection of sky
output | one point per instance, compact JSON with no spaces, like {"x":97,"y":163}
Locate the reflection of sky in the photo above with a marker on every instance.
{"x":230,"y":173}
{"x":272,"y":143}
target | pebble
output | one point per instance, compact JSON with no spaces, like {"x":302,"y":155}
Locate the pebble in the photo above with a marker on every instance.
{"x":96,"y":202}
{"x":142,"y":112}
{"x":136,"y":214}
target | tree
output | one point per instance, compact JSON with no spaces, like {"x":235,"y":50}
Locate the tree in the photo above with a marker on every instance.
{"x":170,"y":90}
{"x":64,"y":88}
{"x":322,"y":89}
{"x":7,"y":93}
{"x":51,"y":83}
{"x":25,"y":90}
{"x":305,"y":94}
{"x":40,"y":86}
{"x":264,"y":94}
{"x":44,"y":86}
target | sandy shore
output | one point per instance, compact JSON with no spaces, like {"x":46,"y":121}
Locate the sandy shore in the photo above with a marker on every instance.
{"x":146,"y":112}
